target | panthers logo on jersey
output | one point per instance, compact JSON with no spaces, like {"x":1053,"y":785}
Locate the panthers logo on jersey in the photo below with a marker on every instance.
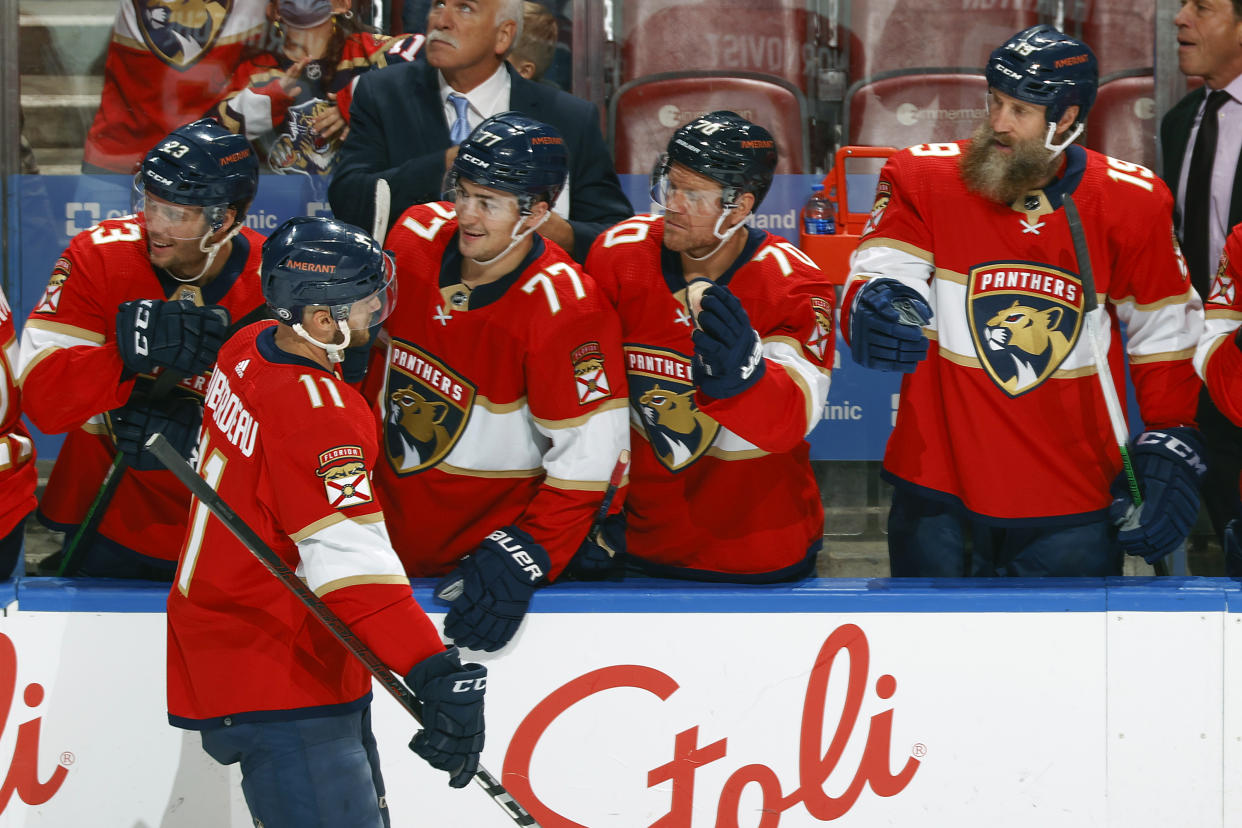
{"x":426,"y":408}
{"x":662,"y":399}
{"x":298,"y":148}
{"x":1025,"y":319}
{"x":180,"y":32}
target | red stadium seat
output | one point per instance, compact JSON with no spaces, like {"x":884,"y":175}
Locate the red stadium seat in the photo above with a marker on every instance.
{"x":766,"y":37}
{"x":1122,"y":123}
{"x":907,"y":108}
{"x":891,"y":35}
{"x":1120,"y":32}
{"x":643,"y":114}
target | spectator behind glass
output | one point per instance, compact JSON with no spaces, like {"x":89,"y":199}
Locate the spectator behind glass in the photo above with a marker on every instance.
{"x":293,"y":102}
{"x":1209,"y":36}
{"x":169,"y":61}
{"x":400,"y":125}
{"x":535,"y":49}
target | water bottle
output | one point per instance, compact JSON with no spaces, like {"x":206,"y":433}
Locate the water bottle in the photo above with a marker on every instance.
{"x":819,"y":214}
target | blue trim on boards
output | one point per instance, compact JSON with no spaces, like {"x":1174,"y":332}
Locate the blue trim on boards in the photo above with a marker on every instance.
{"x":813,"y":595}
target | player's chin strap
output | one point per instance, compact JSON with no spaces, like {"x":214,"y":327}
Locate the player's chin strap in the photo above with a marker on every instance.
{"x":724,"y":237}
{"x":1057,"y":149}
{"x":334,"y":350}
{"x":211,"y":250}
{"x":516,"y":237}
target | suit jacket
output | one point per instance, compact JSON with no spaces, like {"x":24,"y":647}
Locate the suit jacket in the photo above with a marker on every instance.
{"x":1175,"y":129}
{"x":398,"y":131}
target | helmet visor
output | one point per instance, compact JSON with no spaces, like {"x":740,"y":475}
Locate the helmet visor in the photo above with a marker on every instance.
{"x":370,"y":311}
{"x":679,"y":191}
{"x":177,"y":221}
{"x":469,"y":197}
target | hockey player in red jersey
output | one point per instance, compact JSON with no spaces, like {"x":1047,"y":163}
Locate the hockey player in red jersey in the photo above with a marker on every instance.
{"x":17,"y":456}
{"x":288,"y":445}
{"x":169,"y":61}
{"x":503,"y":401}
{"x":293,"y":102}
{"x":723,"y":396}
{"x":132,"y":299}
{"x":966,"y":279}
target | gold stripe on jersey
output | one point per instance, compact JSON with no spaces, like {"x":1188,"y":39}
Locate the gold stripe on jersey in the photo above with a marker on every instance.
{"x":799,"y":348}
{"x":905,"y":247}
{"x":1222,"y":313}
{"x":447,"y":469}
{"x":67,"y":330}
{"x":574,"y":422}
{"x":1166,"y":356}
{"x":946,"y":275}
{"x":793,"y":359}
{"x":1211,"y":349}
{"x":318,"y":526}
{"x":356,"y":580}
{"x":1169,"y":301}
{"x":500,"y":408}
{"x":577,"y":485}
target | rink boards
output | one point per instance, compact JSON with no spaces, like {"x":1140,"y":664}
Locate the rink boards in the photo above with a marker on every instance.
{"x":845,"y":702}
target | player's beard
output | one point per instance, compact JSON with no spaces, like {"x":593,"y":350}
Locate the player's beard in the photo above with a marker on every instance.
{"x":1004,"y":177}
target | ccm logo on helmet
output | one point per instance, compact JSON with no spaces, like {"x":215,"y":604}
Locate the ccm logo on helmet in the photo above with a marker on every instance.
{"x":478,"y":162}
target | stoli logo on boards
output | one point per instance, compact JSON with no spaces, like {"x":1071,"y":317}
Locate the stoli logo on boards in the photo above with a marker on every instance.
{"x":814,"y":766}
{"x":23,"y":775}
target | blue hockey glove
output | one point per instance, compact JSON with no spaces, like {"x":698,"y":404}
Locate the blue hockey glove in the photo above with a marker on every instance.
{"x":491,"y":588}
{"x":602,"y":557}
{"x":1169,"y":467}
{"x":178,"y":419}
{"x":178,"y":336}
{"x":728,"y":356}
{"x":452,"y":697}
{"x":886,"y":326}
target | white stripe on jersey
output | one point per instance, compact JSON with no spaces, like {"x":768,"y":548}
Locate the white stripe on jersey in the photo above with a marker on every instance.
{"x":813,"y":382}
{"x":40,"y":338}
{"x":587,"y":451}
{"x":348,"y":552}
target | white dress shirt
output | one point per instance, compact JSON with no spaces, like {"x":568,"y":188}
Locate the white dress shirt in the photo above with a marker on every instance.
{"x":1224,"y":166}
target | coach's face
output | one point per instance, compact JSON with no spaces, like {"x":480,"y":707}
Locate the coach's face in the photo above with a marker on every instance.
{"x":1209,"y":41}
{"x":466,"y":33}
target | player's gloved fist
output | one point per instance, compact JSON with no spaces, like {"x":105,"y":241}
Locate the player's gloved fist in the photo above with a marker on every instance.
{"x":601,"y":557}
{"x":1169,"y":467}
{"x":178,"y":336}
{"x":886,"y":326}
{"x":452,"y":697}
{"x":178,"y":419}
{"x":491,"y":588}
{"x":728,"y":356}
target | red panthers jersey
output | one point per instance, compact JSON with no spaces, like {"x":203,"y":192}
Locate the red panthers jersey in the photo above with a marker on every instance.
{"x":1218,"y":358}
{"x":17,"y":457}
{"x":287,"y":445}
{"x":71,"y":375}
{"x":258,"y":107}
{"x":169,"y":61}
{"x":1005,"y":416}
{"x":720,"y":486}
{"x":501,"y":405}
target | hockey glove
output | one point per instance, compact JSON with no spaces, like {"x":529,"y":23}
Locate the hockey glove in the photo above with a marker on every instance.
{"x":1169,"y":467}
{"x":178,"y":336}
{"x":728,"y":356}
{"x":491,"y":588}
{"x":886,"y":326}
{"x":601,"y":557}
{"x":452,"y":697}
{"x":178,"y":419}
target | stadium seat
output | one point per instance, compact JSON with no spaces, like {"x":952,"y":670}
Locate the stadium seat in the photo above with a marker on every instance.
{"x":643,"y":114}
{"x":765,"y":37}
{"x":900,"y":109}
{"x":1120,"y":32}
{"x":890,"y":35}
{"x":1122,"y":123}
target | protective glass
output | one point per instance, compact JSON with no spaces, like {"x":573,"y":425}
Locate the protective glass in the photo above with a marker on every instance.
{"x":178,"y":221}
{"x":691,"y":199}
{"x":374,"y":309}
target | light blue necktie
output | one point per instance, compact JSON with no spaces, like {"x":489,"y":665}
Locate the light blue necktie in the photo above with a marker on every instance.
{"x":461,"y":127}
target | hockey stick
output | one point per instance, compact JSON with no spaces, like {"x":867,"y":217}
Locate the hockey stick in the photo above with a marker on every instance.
{"x":85,"y":534}
{"x":175,"y":463}
{"x":1091,"y":310}
{"x":614,"y":483}
{"x":383,"y":203}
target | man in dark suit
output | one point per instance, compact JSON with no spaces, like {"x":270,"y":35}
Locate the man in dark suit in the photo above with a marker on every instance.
{"x":402,"y":120}
{"x":1208,"y":194}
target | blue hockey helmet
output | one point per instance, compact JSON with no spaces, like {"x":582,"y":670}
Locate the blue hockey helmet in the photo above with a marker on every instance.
{"x":1045,"y":67}
{"x":726,"y":148}
{"x":515,"y":154}
{"x":200,"y":164}
{"x":316,"y":261}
